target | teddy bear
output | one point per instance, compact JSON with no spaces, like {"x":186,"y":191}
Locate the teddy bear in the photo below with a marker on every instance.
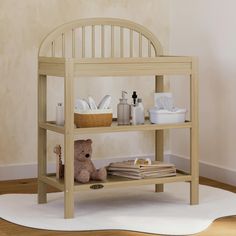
{"x":84,"y":169}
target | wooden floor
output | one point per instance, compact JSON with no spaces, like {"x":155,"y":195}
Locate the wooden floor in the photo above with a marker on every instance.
{"x":221,"y":227}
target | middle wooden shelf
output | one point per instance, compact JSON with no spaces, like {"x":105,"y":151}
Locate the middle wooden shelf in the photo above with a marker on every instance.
{"x":115,"y":128}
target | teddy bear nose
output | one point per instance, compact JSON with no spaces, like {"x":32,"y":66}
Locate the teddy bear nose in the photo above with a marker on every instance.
{"x":87,"y":155}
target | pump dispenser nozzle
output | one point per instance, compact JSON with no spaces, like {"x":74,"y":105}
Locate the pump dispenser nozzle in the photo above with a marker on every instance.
{"x":124,"y":94}
{"x":134,"y":96}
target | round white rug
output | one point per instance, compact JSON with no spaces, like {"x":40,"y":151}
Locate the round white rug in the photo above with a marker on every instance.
{"x":137,"y":209}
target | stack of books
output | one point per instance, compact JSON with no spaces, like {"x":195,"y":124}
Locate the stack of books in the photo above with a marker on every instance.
{"x":141,"y":170}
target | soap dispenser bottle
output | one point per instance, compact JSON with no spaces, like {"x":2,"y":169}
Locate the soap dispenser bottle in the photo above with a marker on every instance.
{"x":134,"y":109}
{"x":140,"y":112}
{"x":59,"y":114}
{"x":123,"y":111}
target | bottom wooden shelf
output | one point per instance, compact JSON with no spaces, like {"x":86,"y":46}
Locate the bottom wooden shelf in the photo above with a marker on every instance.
{"x":114,"y":182}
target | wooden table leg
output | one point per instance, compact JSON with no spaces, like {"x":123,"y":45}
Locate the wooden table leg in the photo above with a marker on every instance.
{"x":159,"y":134}
{"x":42,"y":139}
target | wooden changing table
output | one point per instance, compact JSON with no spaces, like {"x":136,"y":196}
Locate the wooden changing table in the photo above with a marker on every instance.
{"x":69,"y":63}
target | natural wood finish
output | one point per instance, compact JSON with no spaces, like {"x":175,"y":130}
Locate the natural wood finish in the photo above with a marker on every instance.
{"x":102,"y":41}
{"x":127,"y":68}
{"x":93,"y":41}
{"x":115,"y":182}
{"x":159,"y":59}
{"x":73,"y":43}
{"x":63,"y":44}
{"x":118,"y":66}
{"x":69,"y":68}
{"x":83,"y":41}
{"x":112,"y":41}
{"x":82,"y":23}
{"x":53,"y":49}
{"x":42,"y":138}
{"x":30,"y":185}
{"x":115,"y":128}
{"x":149,"y":48}
{"x":159,"y":134}
{"x":128,"y":128}
{"x":121,"y":42}
{"x":53,"y":182}
{"x":52,"y":127}
{"x":140,"y":42}
{"x":221,"y":226}
{"x":53,"y":69}
{"x":69,"y":141}
{"x":131,"y":43}
{"x":194,"y":167}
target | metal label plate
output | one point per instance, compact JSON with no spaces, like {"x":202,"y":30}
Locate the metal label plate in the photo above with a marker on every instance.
{"x":96,"y":186}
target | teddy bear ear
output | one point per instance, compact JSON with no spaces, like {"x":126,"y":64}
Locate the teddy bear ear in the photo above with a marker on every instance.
{"x":78,"y":142}
{"x":57,"y":149}
{"x":89,"y":141}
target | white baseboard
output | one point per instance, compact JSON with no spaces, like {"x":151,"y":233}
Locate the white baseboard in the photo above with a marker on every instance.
{"x":22,"y":171}
{"x":27,"y":171}
{"x":208,"y":170}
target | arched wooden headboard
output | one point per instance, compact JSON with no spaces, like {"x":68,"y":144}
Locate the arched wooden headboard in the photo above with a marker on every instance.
{"x":76,"y":38}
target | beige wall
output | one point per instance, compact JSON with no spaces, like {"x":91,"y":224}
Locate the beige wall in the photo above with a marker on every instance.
{"x":23,"y":24}
{"x":206,"y":28}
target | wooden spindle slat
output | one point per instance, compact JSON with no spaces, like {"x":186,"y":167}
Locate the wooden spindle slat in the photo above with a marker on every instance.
{"x":121,"y":42}
{"x":140,"y":45}
{"x":83,"y":41}
{"x":113,"y":46}
{"x":73,"y":43}
{"x":112,"y":41}
{"x":149,"y":48}
{"x":93,"y":41}
{"x":63,"y":44}
{"x":53,"y":48}
{"x":131,"y":43}
{"x":102,"y":41}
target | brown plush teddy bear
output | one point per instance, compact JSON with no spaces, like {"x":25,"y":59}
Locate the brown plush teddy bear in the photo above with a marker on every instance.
{"x":83,"y":166}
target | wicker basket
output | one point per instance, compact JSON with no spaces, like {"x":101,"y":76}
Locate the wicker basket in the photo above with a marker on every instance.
{"x":83,"y":120}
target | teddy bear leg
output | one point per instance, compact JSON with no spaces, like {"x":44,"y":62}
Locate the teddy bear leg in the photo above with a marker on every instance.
{"x":100,"y":174}
{"x":83,"y":176}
